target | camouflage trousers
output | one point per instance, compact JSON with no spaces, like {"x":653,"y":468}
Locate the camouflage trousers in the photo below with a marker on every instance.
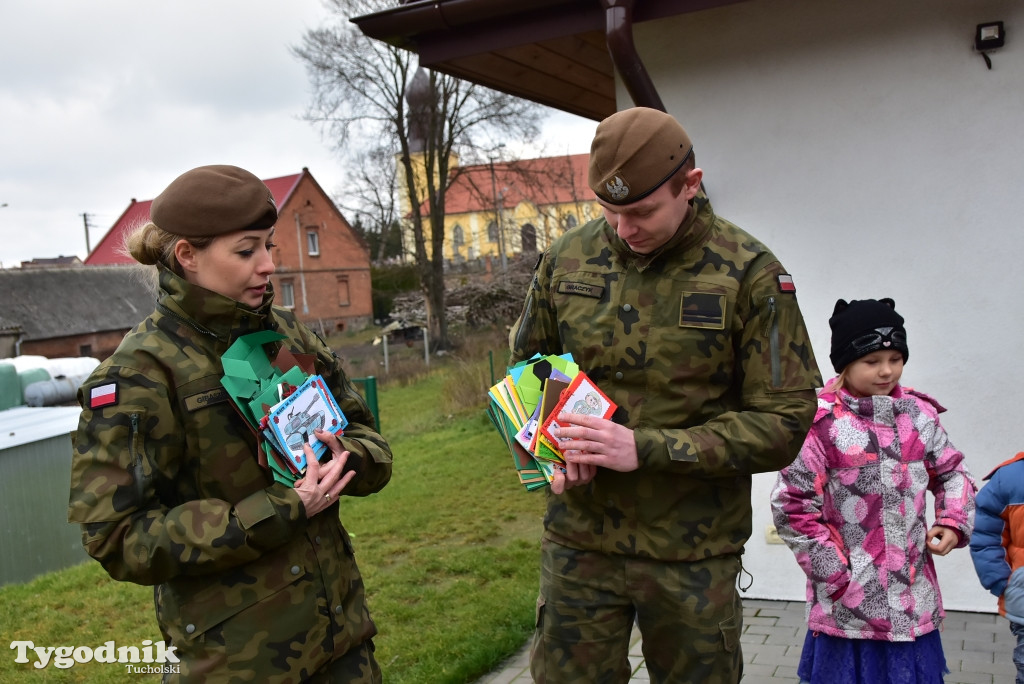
{"x":689,"y":615}
{"x":358,"y":666}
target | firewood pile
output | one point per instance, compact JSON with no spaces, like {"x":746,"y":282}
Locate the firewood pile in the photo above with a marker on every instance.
{"x":477,"y":302}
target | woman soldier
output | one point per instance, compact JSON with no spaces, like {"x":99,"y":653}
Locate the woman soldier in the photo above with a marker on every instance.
{"x":253,"y":579}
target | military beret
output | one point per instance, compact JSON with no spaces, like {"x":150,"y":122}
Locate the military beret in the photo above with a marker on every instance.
{"x":634,"y":151}
{"x":212,"y":200}
{"x":863,"y":326}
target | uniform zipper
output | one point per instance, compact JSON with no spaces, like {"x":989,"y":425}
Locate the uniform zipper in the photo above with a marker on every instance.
{"x":135,"y":452}
{"x":771,"y":329}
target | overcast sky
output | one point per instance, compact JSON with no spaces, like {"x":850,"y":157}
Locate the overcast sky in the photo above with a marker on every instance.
{"x":108,"y":100}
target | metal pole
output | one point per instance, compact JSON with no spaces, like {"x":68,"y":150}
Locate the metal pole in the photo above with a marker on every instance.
{"x":497,"y":216}
{"x":386,"y":368}
{"x":302,"y":271}
{"x":371,"y":399}
{"x":369,"y":384}
{"x":426,"y":346}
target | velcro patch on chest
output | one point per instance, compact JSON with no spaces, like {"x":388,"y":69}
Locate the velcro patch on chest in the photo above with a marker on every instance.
{"x":584,"y":289}
{"x":204,"y":399}
{"x":704,"y":310}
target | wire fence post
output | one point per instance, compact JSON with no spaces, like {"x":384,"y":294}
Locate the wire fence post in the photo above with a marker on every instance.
{"x":369,"y":384}
{"x":426,"y":346}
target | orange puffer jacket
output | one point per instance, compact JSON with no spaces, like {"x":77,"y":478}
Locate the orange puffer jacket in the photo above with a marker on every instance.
{"x":997,"y":545}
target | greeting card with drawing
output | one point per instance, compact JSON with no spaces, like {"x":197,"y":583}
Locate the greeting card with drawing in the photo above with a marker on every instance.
{"x":582,"y":397}
{"x":291,"y":423}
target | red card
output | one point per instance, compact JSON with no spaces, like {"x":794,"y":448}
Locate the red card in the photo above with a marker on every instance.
{"x":582,"y":396}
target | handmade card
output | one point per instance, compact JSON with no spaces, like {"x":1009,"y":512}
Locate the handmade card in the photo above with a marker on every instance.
{"x":581,"y":397}
{"x":529,"y":378}
{"x":247,"y":371}
{"x":553,"y":387}
{"x":276,"y":390}
{"x":529,"y":398}
{"x":264,"y":390}
{"x":552,"y":392}
{"x":501,"y":402}
{"x":290,"y":423}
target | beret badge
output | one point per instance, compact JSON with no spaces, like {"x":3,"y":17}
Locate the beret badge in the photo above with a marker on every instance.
{"x":617,"y":189}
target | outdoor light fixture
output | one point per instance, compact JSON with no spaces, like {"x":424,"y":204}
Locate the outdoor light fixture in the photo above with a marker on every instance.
{"x":989,"y":36}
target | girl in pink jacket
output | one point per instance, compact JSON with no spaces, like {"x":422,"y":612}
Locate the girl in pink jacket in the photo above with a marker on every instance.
{"x":852,"y":509}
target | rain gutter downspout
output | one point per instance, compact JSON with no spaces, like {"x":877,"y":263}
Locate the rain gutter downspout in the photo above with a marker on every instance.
{"x":619,"y":36}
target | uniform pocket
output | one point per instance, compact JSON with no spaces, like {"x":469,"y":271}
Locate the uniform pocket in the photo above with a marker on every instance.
{"x":730,"y":630}
{"x":189,"y":618}
{"x":538,"y":649}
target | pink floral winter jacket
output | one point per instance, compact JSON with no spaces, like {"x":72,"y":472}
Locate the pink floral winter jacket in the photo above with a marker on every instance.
{"x":852,"y":509}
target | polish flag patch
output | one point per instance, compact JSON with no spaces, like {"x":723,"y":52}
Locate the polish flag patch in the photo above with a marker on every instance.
{"x":104,"y":395}
{"x":786,"y":283}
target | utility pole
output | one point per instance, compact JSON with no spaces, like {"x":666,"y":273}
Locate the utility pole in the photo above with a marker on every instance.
{"x":85,"y":221}
{"x":498,"y":201}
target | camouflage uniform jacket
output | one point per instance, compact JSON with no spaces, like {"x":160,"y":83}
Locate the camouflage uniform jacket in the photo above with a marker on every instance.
{"x":703,"y":347}
{"x":167,"y":489}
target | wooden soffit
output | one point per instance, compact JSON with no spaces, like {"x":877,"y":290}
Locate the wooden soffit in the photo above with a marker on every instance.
{"x":549,"y":51}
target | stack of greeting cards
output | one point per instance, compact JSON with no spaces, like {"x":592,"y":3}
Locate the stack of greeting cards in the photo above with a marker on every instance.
{"x":282,"y":400}
{"x":525,"y":405}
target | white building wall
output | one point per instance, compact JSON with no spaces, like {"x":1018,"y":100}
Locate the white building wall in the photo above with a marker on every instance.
{"x":869,"y":146}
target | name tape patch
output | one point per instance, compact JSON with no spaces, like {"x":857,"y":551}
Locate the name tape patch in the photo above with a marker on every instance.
{"x":585,"y":289}
{"x":204,"y":399}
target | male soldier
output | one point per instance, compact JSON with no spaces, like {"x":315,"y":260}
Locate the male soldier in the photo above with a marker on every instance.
{"x":692,"y":327}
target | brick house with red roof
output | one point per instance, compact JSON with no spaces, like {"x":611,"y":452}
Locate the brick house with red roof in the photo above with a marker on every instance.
{"x":323,"y":266}
{"x":533,"y":200}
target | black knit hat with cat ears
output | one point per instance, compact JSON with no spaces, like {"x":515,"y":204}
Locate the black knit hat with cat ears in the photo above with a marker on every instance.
{"x":863,"y":326}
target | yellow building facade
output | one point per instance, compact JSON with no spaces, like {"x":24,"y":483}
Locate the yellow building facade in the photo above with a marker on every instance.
{"x":509,"y":208}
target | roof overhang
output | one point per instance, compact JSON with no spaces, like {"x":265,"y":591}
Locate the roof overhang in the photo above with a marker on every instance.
{"x":554,"y":52}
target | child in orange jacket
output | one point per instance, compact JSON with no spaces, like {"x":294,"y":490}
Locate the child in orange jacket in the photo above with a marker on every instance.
{"x":997,"y":547}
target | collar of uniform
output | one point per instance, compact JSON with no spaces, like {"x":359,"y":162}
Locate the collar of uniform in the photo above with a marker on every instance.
{"x":208,"y":311}
{"x":692,"y":231}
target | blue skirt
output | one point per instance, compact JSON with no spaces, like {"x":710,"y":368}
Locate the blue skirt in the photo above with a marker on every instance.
{"x":834,"y":660}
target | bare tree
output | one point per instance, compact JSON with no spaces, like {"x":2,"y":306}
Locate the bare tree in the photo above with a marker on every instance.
{"x":370,"y":195}
{"x":575,"y":181}
{"x":365,"y":91}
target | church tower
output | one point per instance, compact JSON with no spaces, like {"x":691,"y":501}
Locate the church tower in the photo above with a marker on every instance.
{"x":420,"y":101}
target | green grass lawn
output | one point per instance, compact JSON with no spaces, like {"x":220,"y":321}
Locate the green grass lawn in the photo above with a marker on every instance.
{"x":449,"y":553}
